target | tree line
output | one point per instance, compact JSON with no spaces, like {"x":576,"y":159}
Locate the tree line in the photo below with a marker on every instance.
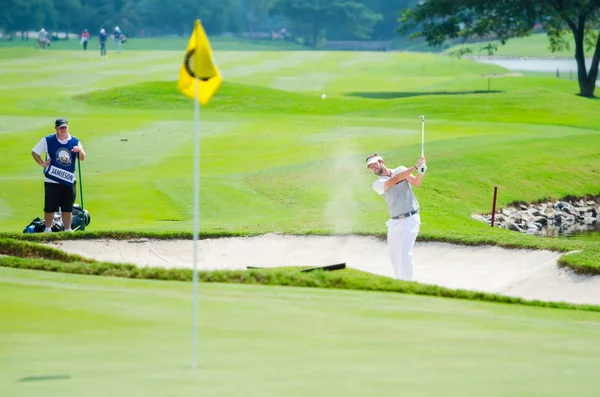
{"x":310,"y":21}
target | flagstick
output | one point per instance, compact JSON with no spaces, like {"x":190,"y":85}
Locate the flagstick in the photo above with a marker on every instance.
{"x":196,"y":220}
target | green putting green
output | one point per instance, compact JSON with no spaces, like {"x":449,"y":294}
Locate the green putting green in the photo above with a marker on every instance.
{"x":93,"y":336}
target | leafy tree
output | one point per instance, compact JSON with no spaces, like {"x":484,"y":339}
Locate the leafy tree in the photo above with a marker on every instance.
{"x":257,"y":12}
{"x":439,"y":20}
{"x":353,"y":19}
{"x":311,"y":19}
{"x":28,"y":15}
{"x":386,"y":28}
{"x":11,"y":11}
{"x":67,"y":14}
{"x":94,"y":14}
{"x":164,"y":16}
{"x":216,"y":15}
{"x":167,"y":16}
{"x":97,"y":14}
{"x":126,"y":15}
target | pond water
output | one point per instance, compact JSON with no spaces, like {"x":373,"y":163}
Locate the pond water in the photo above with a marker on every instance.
{"x":564,"y":66}
{"x":533,"y":65}
{"x":588,"y":235}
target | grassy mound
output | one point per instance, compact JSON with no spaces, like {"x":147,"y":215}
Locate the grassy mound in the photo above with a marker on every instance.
{"x":348,"y":279}
{"x":512,"y":100}
{"x":586,"y":261}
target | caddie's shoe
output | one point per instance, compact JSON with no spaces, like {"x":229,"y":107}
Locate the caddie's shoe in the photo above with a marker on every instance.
{"x":46,"y":230}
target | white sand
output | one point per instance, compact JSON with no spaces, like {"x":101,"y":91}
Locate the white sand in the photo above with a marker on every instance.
{"x":529,"y":274}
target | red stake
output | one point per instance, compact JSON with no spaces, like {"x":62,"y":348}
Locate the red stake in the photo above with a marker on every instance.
{"x":494,"y":205}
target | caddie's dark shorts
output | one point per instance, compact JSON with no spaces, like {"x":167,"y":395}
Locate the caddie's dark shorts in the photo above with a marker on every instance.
{"x":58,"y":195}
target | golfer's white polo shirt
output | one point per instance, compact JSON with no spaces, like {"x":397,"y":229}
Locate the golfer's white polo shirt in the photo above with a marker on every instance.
{"x":400,"y":197}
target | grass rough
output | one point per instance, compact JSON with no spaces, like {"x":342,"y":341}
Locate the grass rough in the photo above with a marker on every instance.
{"x":347,"y":279}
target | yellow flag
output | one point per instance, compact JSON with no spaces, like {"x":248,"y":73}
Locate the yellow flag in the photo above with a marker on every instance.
{"x":198,"y":63}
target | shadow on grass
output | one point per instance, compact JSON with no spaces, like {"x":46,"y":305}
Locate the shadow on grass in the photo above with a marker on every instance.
{"x":44,"y":378}
{"x":394,"y":95}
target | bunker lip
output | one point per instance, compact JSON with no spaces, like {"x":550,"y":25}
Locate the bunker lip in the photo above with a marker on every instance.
{"x":528,"y":274}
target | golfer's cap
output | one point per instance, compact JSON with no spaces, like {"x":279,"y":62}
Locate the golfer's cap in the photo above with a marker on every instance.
{"x":373,"y":159}
{"x":60,"y":123}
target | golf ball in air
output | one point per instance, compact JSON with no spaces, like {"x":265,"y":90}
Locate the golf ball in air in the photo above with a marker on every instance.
{"x":323,"y":96}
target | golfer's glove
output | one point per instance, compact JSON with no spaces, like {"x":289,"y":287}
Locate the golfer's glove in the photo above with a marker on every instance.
{"x":422,"y":168}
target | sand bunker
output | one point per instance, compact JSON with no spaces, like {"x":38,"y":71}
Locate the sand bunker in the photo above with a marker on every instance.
{"x":529,"y":274}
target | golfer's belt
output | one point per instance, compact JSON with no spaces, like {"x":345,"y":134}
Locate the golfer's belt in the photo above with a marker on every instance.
{"x":406,"y":215}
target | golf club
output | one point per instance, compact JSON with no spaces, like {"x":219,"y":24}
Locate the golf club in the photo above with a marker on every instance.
{"x":423,"y":166}
{"x":81,"y":194}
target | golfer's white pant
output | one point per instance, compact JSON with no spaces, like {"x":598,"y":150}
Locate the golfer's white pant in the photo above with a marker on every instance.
{"x":401,"y":237}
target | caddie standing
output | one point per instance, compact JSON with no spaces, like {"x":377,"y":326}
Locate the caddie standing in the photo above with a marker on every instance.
{"x":395,"y":186}
{"x":60,"y":191}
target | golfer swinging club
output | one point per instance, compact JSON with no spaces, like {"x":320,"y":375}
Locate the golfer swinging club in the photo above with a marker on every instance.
{"x":395,"y":186}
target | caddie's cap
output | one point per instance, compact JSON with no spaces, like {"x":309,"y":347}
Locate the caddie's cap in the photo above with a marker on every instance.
{"x":60,"y":123}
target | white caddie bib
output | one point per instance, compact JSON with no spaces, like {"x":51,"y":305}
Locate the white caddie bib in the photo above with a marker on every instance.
{"x":61,"y":174}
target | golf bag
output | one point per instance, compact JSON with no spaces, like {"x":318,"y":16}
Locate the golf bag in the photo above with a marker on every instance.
{"x":79,"y":216}
{"x":37,"y":225}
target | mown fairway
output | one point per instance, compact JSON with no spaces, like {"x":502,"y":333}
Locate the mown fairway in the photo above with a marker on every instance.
{"x":275,"y":156}
{"x":80,"y":335}
{"x":536,"y":45}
